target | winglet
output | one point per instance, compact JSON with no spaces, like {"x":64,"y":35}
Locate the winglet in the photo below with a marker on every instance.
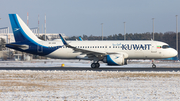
{"x":63,"y":40}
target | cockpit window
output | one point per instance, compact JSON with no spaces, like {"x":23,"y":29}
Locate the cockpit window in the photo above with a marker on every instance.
{"x":165,"y":46}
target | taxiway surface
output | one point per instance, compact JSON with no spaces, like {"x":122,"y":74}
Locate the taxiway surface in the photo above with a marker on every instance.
{"x":90,"y":69}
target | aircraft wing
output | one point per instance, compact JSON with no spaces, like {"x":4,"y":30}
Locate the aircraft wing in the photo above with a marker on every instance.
{"x":83,"y":51}
{"x":90,"y":53}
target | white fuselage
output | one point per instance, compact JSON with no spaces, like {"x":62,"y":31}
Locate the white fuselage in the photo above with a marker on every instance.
{"x":134,"y":49}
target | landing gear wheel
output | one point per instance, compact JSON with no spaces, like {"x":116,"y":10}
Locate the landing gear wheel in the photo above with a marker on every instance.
{"x":97,"y":65}
{"x":93,"y":65}
{"x":153,"y":66}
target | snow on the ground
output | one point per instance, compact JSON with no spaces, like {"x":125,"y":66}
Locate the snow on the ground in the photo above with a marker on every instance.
{"x":89,"y":85}
{"x":83,"y":63}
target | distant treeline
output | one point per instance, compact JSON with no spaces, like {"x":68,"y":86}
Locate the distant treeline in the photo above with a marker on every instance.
{"x":167,"y":37}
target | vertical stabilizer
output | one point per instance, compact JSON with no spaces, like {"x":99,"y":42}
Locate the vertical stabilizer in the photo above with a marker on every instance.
{"x":21,"y":31}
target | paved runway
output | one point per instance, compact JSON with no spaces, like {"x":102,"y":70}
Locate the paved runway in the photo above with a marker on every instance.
{"x":90,"y":69}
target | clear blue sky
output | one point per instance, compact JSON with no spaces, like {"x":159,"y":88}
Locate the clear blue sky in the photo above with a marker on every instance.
{"x":78,"y":17}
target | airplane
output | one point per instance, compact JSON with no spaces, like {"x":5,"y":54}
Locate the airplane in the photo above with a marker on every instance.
{"x":114,"y":53}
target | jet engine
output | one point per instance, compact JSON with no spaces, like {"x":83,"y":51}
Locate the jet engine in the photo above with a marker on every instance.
{"x":115,"y":59}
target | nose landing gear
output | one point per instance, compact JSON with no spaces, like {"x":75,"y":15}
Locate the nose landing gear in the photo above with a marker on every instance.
{"x":153,"y":65}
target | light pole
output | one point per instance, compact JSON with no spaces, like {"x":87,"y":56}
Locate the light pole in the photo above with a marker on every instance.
{"x":153,"y":28}
{"x":102,"y":30}
{"x":38,"y":25}
{"x":124,"y":30}
{"x":45,"y":28}
{"x":177,"y":33}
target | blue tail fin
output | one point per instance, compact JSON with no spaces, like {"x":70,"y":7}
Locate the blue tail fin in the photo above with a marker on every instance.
{"x":21,"y":31}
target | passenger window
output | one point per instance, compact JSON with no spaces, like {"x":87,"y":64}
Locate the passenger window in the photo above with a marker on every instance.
{"x":109,"y":46}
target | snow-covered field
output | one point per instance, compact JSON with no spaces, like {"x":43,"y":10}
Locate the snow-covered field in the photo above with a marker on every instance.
{"x":89,"y":85}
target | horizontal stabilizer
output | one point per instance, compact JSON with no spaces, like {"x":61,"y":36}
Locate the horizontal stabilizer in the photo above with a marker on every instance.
{"x":24,"y":47}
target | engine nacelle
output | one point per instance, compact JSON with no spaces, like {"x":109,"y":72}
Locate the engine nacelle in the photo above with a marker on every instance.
{"x":116,"y":59}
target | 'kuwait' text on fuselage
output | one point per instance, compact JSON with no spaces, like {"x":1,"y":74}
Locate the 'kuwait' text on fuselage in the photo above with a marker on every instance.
{"x":135,"y":46}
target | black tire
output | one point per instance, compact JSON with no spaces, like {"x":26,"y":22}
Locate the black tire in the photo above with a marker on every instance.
{"x":97,"y":65}
{"x":93,"y":65}
{"x":153,"y":66}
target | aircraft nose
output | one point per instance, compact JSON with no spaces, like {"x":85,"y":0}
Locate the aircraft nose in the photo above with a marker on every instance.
{"x":174,"y":52}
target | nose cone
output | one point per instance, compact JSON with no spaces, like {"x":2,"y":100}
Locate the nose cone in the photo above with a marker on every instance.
{"x":173,"y":53}
{"x":169,"y":53}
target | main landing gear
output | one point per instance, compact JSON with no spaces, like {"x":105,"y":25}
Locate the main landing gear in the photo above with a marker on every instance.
{"x":153,"y":65}
{"x":95,"y":65}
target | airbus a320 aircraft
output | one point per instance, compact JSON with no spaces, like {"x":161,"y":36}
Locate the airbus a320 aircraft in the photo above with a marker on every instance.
{"x":115,"y":53}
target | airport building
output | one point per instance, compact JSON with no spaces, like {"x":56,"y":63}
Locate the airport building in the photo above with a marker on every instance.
{"x":9,"y":37}
{"x":6,"y":53}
